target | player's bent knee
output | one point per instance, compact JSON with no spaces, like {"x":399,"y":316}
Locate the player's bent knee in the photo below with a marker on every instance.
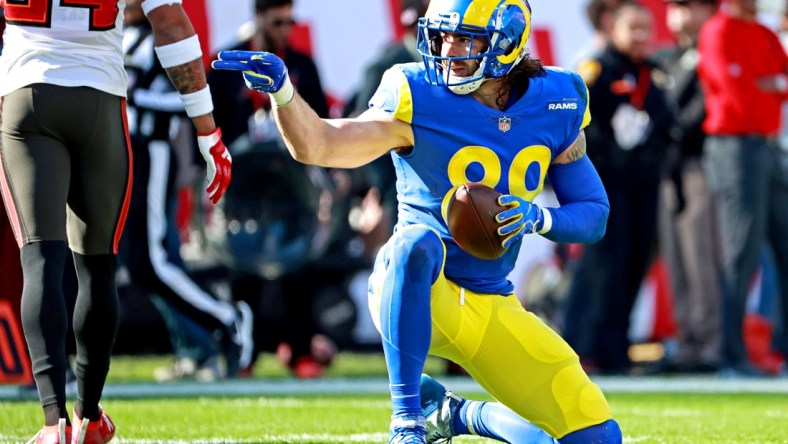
{"x":606,"y":433}
{"x":419,"y":250}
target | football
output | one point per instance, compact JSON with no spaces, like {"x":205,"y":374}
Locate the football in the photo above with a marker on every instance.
{"x":471,"y":219}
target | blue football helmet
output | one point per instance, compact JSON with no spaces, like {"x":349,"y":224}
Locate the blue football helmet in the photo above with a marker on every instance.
{"x":503,"y":24}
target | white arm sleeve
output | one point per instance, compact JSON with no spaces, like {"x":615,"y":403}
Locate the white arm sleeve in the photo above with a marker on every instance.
{"x":150,"y":5}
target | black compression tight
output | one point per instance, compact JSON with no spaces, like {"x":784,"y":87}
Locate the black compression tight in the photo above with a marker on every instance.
{"x":45,"y":321}
{"x":95,"y":327}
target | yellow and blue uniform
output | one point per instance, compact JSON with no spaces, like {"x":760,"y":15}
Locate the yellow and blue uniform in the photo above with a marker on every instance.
{"x":459,"y":140}
{"x":474,"y":318}
{"x":426,"y":294}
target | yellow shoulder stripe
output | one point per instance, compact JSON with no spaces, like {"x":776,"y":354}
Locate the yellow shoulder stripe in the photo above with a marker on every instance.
{"x":587,"y":113}
{"x":404,"y":109}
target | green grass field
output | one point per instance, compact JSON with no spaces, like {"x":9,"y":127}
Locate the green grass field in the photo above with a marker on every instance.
{"x":357,"y":417}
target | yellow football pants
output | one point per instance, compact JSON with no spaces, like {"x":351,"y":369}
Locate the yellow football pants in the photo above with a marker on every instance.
{"x":512,"y":354}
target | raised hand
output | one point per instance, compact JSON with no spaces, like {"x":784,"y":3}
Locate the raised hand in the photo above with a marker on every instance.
{"x":520,"y":217}
{"x":219,"y":163}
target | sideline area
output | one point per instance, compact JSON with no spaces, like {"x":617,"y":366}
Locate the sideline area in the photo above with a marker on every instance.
{"x":379,"y":385}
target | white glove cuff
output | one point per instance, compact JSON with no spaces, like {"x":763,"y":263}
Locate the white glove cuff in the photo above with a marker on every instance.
{"x":180,"y":52}
{"x":285,"y":93}
{"x":150,"y":5}
{"x":548,"y":221}
{"x":198,"y":103}
{"x":207,"y":141}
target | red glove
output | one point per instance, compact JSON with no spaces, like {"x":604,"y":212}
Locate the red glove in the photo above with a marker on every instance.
{"x":219,"y":163}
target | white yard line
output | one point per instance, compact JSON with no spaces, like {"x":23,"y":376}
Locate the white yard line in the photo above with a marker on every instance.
{"x":379,"y":386}
{"x":308,"y":437}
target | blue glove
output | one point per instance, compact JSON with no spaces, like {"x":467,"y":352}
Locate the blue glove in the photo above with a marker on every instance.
{"x":520,"y":217}
{"x":262,"y":71}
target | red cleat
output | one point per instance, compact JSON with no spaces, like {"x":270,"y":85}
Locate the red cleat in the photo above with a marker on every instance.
{"x":306,"y":367}
{"x":56,"y":434}
{"x":93,"y":432}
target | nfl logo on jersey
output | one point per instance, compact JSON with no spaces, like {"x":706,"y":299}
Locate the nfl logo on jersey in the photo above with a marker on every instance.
{"x":504,"y":124}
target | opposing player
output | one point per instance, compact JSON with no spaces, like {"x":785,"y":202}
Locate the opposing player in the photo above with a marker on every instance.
{"x":66,"y":179}
{"x":477,"y":110}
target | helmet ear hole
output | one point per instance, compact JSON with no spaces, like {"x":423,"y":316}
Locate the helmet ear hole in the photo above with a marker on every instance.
{"x":508,"y":44}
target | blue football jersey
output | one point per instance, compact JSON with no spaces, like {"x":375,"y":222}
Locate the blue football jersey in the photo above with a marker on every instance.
{"x":458,"y":140}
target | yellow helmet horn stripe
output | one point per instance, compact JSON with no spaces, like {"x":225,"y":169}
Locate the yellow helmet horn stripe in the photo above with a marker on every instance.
{"x":479,"y":12}
{"x":512,"y":56}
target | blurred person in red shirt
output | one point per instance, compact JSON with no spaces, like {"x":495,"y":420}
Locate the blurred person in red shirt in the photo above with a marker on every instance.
{"x":743,"y":71}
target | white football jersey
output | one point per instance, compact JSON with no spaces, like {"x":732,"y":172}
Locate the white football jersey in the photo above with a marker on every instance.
{"x":64,"y":42}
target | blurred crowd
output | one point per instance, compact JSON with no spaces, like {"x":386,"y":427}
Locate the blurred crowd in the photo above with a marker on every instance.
{"x":679,"y":135}
{"x":685,"y":139}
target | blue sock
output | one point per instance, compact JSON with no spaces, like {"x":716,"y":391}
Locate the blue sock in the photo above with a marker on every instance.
{"x":606,"y":433}
{"x":496,"y":421}
{"x":413,"y":260}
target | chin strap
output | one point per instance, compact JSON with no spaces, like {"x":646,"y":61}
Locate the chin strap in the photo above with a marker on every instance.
{"x":464,"y":88}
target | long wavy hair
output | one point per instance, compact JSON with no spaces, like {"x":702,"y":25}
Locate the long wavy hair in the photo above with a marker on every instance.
{"x":520,"y":76}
